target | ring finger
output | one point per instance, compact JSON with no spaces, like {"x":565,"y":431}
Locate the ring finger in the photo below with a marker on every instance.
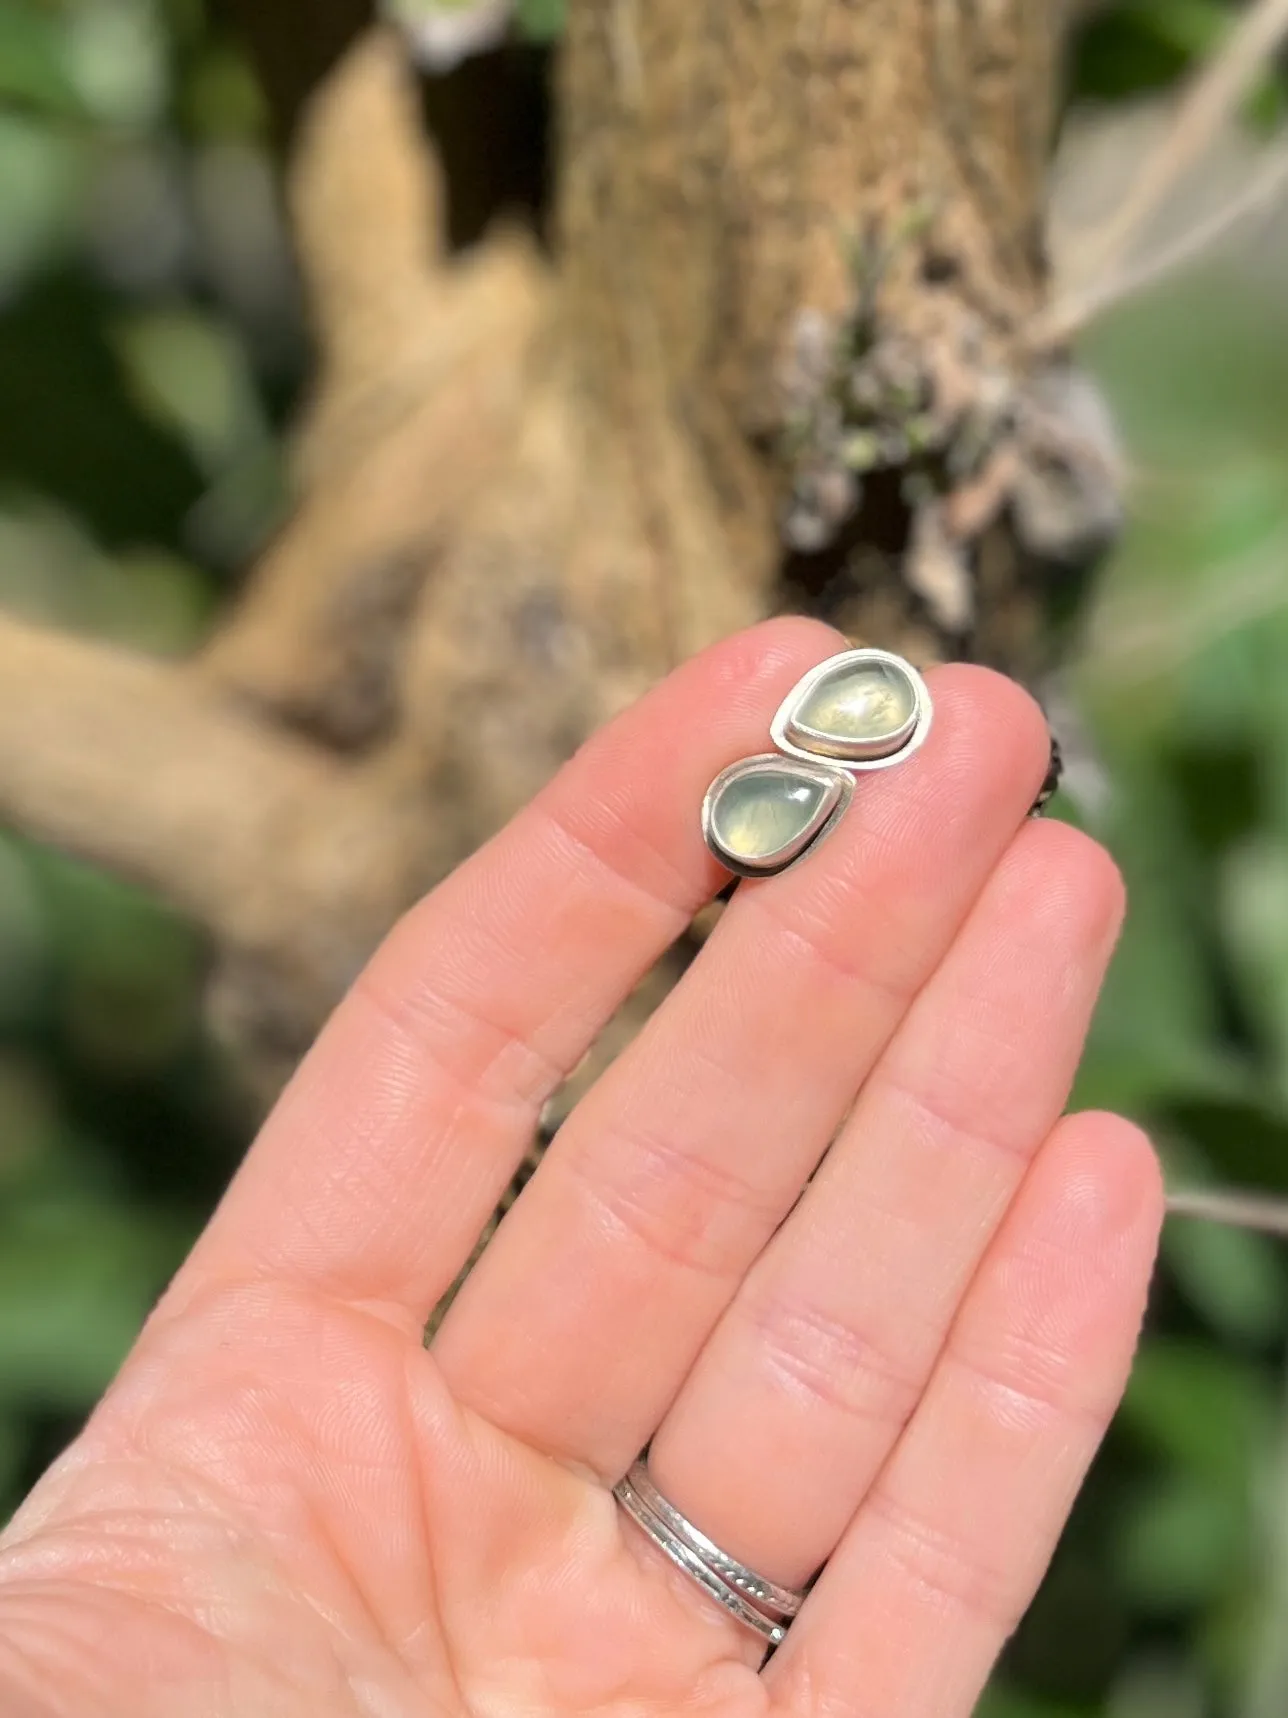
{"x":811,"y":1376}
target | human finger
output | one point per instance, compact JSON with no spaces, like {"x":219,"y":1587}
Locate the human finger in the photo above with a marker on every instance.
{"x":946,"y":1553}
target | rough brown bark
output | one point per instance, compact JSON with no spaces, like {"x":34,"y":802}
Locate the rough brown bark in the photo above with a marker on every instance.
{"x":777,"y":360}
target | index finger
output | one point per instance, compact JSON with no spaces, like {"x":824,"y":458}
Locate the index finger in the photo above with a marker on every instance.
{"x":382,"y":1162}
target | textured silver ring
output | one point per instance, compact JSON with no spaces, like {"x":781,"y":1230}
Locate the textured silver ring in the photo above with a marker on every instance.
{"x":859,"y":711}
{"x":677,"y":1546}
{"x":784,"y":1601}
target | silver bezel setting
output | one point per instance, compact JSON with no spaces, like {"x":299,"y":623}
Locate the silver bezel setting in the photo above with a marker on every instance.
{"x":834,"y":778}
{"x":859,"y":756}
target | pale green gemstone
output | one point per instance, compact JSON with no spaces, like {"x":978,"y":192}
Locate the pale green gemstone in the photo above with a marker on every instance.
{"x":758,"y":817}
{"x":858,"y":709}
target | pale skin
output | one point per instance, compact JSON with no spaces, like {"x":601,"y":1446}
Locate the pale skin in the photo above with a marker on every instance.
{"x":286,"y":1507}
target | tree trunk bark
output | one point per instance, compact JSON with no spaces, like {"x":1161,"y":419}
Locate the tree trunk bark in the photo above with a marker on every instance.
{"x":779,"y":358}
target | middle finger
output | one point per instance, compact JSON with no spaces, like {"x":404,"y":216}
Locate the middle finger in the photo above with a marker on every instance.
{"x":579,"y":1324}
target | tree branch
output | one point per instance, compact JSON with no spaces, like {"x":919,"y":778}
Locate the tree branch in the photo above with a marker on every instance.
{"x":132,"y":764}
{"x":367,"y":208}
{"x":1253,"y":1211}
{"x":1071,"y":315}
{"x":1212,"y":98}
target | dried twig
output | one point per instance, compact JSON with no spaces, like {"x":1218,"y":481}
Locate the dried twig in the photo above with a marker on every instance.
{"x":197,"y":791}
{"x":1235,"y":1210}
{"x":1070,"y":315}
{"x":1212,"y":97}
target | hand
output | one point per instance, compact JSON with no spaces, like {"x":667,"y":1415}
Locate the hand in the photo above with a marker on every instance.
{"x":287,"y":1508}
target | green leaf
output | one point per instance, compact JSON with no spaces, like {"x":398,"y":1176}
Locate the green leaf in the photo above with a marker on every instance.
{"x":117,"y":58}
{"x":222,"y":97}
{"x":1211,"y":1414}
{"x":14,"y":1448}
{"x":31,"y":1126}
{"x":1181,"y":1543}
{"x":1158,"y":1684}
{"x":1136,"y":47}
{"x":1144,"y":44}
{"x":24,"y":939}
{"x":1244,"y":1142}
{"x":191,"y":373}
{"x":1195,"y":27}
{"x":1254,"y":913}
{"x":40,"y":190}
{"x":1155,"y":1025}
{"x":1236,"y":1281}
{"x":33,"y":63}
{"x":1002,"y":1702}
{"x":77,"y":1278}
{"x":541,"y":20}
{"x":126,"y":969}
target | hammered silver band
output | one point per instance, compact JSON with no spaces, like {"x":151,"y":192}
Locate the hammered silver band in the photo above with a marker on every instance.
{"x":757,"y":1603}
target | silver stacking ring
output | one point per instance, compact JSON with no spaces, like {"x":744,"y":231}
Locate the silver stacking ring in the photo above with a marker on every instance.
{"x":862,"y":710}
{"x":756,"y":1602}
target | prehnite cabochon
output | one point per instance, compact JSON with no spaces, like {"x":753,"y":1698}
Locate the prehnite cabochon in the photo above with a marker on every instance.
{"x":764,"y":814}
{"x":858,"y":709}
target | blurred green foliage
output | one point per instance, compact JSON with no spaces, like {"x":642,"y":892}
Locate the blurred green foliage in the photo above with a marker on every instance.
{"x":1170,"y":1596}
{"x":151,"y":346}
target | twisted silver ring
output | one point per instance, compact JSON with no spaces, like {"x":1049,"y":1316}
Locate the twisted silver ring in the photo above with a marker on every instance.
{"x":757,"y":1603}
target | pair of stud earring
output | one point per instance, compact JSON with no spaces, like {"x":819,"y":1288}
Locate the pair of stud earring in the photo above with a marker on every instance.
{"x":862,"y":710}
{"x":859,"y":711}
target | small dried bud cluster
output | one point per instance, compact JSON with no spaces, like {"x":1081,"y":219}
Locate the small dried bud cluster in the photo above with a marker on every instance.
{"x":969,"y":437}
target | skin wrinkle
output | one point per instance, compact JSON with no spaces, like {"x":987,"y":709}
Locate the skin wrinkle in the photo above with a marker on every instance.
{"x":71,"y":1603}
{"x":705,"y":1193}
{"x":935,"y":1561}
{"x":818,"y":948}
{"x":1080,"y":1252}
{"x":300,"y":1265}
{"x":705,"y":1064}
{"x":730,"y":663}
{"x":84,"y":1533}
{"x":414,"y":1371}
{"x":272,"y":1411}
{"x":934,"y":1117}
{"x":681,"y":900}
{"x":975,"y":1068}
{"x":525,"y":1086}
{"x":834,"y":1363}
{"x":363,"y":1613}
{"x":1021,"y":1401}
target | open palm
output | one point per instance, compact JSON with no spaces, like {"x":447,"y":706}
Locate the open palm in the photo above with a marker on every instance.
{"x":820,"y":1235}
